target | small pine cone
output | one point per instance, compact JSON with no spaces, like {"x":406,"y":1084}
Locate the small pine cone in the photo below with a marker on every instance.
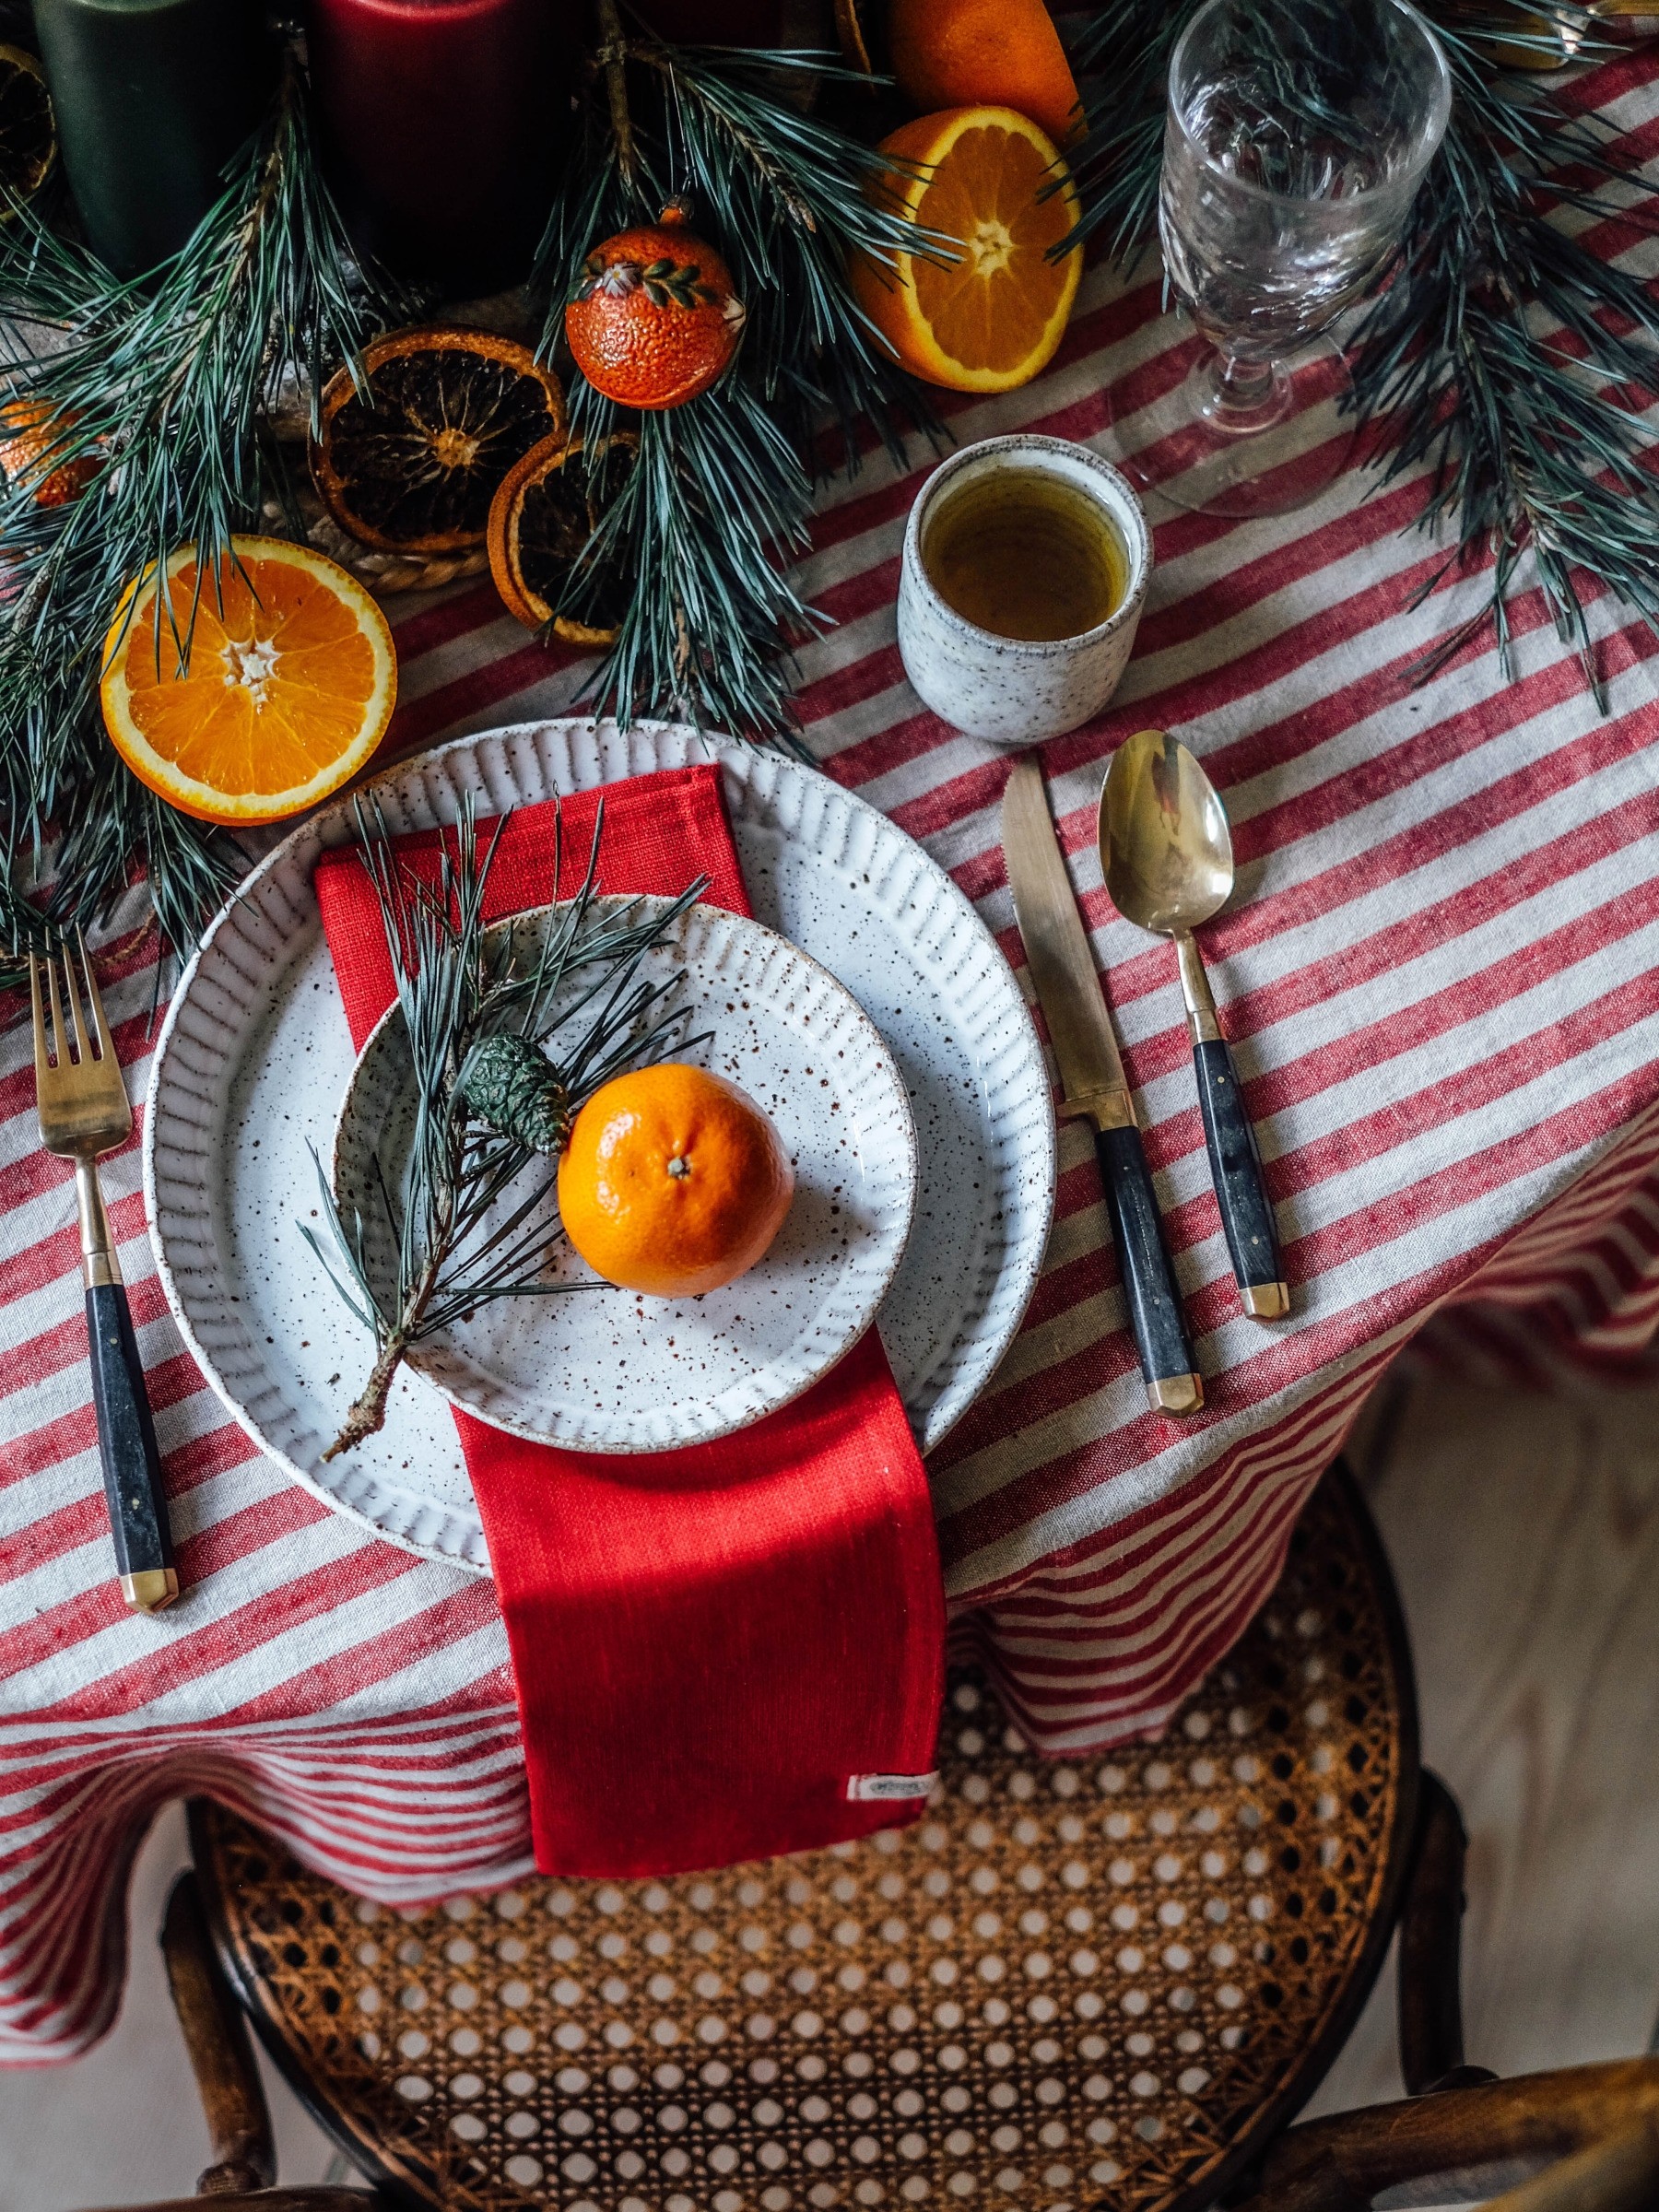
{"x":512,"y":1085}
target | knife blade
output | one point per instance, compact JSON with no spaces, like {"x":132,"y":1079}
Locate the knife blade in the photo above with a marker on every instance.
{"x":1094,"y":1085}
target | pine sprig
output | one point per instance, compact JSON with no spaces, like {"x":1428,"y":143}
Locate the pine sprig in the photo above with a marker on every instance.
{"x":155,"y":390}
{"x":1515,"y":362}
{"x":1505,"y":359}
{"x":462,"y":984}
{"x":722,"y":489}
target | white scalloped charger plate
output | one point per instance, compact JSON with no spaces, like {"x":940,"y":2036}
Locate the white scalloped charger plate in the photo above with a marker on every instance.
{"x":255,"y":1057}
{"x":601,"y":1370}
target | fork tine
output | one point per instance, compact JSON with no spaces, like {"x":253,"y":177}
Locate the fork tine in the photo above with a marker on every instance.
{"x":60,"y":1039}
{"x":75,"y":1022}
{"x":43,"y":1063}
{"x":96,"y":1026}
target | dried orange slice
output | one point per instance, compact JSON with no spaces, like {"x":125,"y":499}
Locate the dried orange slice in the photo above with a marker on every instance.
{"x":993,"y":318}
{"x":286,"y":692}
{"x":540,"y":523}
{"x":411,"y":465}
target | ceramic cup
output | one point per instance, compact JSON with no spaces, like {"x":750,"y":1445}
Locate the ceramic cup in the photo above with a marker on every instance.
{"x":1014,"y":690}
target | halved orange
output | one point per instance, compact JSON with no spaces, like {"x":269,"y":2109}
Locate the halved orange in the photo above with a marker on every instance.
{"x":288,"y":688}
{"x":993,"y":318}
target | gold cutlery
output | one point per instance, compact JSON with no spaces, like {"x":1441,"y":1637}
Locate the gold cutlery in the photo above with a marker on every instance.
{"x":82,"y":1104}
{"x":1095,"y":1090}
{"x":1166,"y":852}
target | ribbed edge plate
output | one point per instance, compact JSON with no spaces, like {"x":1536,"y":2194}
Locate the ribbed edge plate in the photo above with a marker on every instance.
{"x":255,"y":1057}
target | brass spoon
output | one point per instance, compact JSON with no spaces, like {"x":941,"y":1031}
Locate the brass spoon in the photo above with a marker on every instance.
{"x":1167,"y":857}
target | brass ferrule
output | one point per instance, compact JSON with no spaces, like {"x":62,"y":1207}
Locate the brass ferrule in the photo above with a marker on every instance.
{"x":1196,"y":990}
{"x":1176,"y":1394}
{"x":1113,"y":1108}
{"x":99,"y":1262}
{"x":151,"y":1591}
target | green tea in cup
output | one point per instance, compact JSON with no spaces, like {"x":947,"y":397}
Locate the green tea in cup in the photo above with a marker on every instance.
{"x":1026,"y":553}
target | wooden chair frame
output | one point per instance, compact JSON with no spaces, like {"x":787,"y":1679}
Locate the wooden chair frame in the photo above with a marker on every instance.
{"x":1594,"y":2129}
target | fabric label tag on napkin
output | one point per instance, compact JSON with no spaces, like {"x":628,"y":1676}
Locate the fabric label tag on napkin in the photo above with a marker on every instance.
{"x":888,"y":1789}
{"x":707,"y":1642}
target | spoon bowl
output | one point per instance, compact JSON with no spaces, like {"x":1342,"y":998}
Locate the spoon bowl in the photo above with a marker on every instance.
{"x":1165,"y":847}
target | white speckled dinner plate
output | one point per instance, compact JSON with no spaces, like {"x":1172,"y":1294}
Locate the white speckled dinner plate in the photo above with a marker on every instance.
{"x":254,"y":1058}
{"x":597,"y":1369}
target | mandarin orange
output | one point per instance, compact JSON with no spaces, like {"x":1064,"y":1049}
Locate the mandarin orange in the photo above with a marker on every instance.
{"x":993,"y":317}
{"x":674,"y":1181}
{"x":1000,"y":53}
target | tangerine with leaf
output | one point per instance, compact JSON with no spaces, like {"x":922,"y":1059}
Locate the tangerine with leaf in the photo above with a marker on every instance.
{"x":40,"y":446}
{"x":655,"y":318}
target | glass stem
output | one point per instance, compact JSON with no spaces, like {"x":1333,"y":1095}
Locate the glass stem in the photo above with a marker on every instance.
{"x":1243,"y":386}
{"x":1244,"y":395}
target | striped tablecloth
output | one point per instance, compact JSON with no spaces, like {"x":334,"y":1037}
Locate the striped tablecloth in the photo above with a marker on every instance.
{"x":1439,"y":976}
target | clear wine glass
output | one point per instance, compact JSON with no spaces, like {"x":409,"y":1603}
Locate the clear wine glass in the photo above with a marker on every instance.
{"x":1298,"y":132}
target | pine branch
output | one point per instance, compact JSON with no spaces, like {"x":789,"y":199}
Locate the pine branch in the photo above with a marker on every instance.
{"x":721,"y":490}
{"x":1513,"y":363}
{"x":155,"y":390}
{"x":463,"y":987}
{"x":1504,"y":358}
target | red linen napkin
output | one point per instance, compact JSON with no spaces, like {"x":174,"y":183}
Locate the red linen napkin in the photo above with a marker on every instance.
{"x":721,"y":1652}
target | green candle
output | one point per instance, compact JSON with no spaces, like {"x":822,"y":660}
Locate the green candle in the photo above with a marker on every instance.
{"x":152,"y":98}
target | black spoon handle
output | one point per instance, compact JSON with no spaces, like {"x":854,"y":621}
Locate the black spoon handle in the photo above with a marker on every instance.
{"x":1149,"y":1288}
{"x":1236,"y":1170}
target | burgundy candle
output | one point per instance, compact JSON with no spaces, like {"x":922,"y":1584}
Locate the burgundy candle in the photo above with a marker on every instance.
{"x":441,"y":124}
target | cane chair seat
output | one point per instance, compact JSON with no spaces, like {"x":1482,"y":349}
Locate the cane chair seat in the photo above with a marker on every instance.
{"x":1110,"y":1977}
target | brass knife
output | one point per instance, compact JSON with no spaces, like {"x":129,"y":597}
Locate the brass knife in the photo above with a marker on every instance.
{"x":1095,"y":1090}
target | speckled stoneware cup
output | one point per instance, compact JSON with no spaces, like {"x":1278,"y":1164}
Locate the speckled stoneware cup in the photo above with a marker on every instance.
{"x":1013,"y":691}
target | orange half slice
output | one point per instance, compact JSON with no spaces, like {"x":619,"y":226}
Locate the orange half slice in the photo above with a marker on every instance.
{"x":993,"y":318}
{"x":288,"y":687}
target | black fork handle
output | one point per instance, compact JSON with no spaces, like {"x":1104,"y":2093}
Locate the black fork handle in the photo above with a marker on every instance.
{"x":126,"y":1444}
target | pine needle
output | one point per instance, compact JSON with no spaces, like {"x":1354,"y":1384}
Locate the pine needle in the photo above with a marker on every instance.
{"x":460,"y":982}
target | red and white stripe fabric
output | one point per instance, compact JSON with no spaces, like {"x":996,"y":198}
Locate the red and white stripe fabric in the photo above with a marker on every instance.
{"x":1439,"y":980}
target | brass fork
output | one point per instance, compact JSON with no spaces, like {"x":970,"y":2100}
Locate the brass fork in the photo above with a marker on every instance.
{"x":83,"y":1109}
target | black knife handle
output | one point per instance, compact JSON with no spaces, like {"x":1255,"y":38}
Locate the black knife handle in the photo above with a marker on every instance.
{"x":1236,"y":1170}
{"x":126,"y":1444}
{"x":1149,"y":1291}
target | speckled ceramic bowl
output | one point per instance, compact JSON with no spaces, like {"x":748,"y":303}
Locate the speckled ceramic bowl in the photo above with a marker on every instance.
{"x":1014,"y":690}
{"x":602,"y":1369}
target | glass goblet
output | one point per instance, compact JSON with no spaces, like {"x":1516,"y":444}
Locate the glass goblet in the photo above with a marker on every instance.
{"x":1297,"y":134}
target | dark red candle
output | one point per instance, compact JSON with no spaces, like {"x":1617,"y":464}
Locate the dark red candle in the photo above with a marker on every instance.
{"x":442,"y":125}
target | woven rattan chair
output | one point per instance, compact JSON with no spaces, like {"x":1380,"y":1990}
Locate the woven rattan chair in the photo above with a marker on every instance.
{"x":1107,"y":1982}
